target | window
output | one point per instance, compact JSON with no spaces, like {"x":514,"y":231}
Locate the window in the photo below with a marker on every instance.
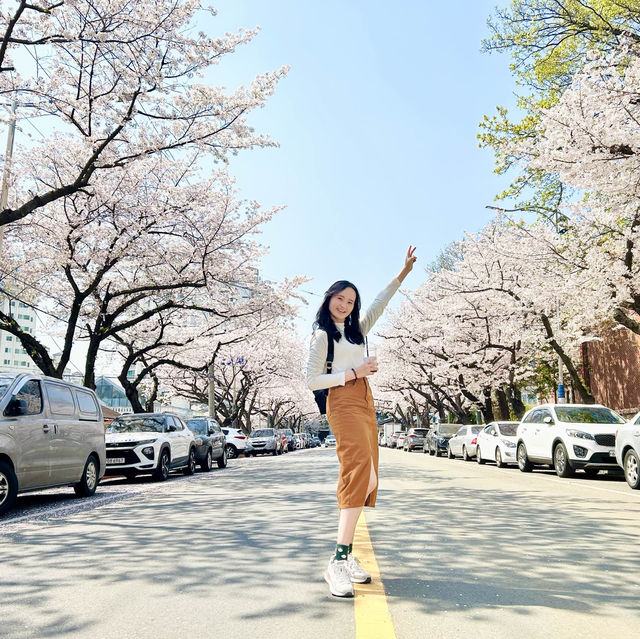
{"x":60,"y":399}
{"x":531,"y":418}
{"x":7,"y":361}
{"x":9,"y":338}
{"x":7,"y":350}
{"x":86,"y":405}
{"x":31,"y":394}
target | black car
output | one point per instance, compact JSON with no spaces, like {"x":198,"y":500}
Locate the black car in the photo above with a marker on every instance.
{"x":438,"y":438}
{"x":210,"y":442}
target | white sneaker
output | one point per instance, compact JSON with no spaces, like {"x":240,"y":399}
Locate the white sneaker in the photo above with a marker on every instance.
{"x":338,"y":577}
{"x":357,"y":573}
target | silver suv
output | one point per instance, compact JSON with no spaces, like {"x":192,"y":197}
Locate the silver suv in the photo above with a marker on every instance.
{"x":51,"y":434}
{"x":149,"y":443}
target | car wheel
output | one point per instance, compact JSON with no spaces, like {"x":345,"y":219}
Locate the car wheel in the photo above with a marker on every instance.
{"x":523,"y":461}
{"x":479,"y":456}
{"x":591,"y":472}
{"x":499,"y":462}
{"x":207,"y":463}
{"x":89,"y":480}
{"x":450,"y":455}
{"x":232,"y":451}
{"x":222,"y":461}
{"x":631,"y":470}
{"x":8,"y":487}
{"x":190,"y":468}
{"x":465,"y":456}
{"x":561,"y":461}
{"x":161,"y":473}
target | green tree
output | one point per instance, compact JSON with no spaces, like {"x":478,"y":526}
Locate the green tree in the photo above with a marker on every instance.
{"x":549,"y":42}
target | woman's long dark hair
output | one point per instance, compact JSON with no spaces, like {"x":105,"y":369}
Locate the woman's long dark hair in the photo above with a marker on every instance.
{"x":352,"y":321}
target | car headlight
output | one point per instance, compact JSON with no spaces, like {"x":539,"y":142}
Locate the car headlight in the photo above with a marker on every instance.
{"x":442,"y":441}
{"x":580,"y":434}
{"x":508,"y":443}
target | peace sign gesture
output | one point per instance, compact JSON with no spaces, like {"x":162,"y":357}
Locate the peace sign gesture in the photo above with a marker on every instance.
{"x":409,"y":261}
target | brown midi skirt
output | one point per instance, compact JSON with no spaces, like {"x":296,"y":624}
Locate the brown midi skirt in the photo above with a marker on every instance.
{"x":352,"y":418}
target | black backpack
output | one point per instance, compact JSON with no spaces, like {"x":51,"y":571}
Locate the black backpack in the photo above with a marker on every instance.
{"x":321,"y":395}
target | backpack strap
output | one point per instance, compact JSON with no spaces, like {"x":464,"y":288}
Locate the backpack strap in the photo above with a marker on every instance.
{"x":329,"y":353}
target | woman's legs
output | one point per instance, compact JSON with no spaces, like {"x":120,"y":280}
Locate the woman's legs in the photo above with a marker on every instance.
{"x":349,"y":516}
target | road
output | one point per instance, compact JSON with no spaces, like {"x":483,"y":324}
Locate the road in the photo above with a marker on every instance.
{"x":462,"y":550}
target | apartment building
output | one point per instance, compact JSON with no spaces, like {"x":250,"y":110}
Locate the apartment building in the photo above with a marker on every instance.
{"x":14,"y":358}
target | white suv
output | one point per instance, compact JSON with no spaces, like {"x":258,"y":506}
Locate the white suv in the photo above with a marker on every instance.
{"x":149,"y":443}
{"x":568,"y":436}
{"x":236,"y":441}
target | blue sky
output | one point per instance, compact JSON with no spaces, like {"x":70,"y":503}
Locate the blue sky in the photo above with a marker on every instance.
{"x":377,"y":123}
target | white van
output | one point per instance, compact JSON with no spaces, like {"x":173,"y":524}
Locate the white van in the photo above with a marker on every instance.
{"x":51,"y":434}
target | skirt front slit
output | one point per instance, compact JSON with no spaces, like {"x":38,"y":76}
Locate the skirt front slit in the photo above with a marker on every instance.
{"x":352,"y":418}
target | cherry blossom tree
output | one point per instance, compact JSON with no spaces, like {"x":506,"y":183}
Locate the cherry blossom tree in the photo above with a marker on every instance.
{"x":118,"y":81}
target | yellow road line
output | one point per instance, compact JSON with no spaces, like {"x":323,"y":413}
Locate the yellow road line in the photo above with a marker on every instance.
{"x":373,"y":620}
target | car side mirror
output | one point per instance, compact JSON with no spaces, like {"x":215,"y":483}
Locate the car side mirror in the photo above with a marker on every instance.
{"x":548,"y":420}
{"x":211,"y":430}
{"x":16,"y":407}
{"x":171,"y":429}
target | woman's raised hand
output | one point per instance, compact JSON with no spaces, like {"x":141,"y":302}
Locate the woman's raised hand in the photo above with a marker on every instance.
{"x":409,"y":261}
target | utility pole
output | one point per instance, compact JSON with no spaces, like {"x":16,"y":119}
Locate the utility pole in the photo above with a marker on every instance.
{"x":562,"y":398}
{"x":4,"y":193}
{"x":212,"y":394}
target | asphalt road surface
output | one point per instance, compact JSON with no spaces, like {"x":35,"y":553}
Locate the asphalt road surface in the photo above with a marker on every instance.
{"x":463,"y":550}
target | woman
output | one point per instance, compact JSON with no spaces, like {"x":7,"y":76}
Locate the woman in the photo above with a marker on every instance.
{"x":350,"y":412}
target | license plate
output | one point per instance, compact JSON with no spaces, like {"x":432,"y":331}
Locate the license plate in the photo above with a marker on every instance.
{"x":612,"y":453}
{"x":115,"y":460}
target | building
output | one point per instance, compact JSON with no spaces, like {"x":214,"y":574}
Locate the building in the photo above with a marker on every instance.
{"x":112,"y":395}
{"x":14,"y":357}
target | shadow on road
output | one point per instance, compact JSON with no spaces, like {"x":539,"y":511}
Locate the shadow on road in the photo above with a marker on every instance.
{"x":260,"y":535}
{"x":456,"y":541}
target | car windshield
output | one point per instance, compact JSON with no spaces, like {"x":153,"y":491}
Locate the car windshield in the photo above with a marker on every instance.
{"x":197,"y":426}
{"x":476,"y":429}
{"x":265,"y":432}
{"x":448,"y":429}
{"x":588,"y":415}
{"x":508,"y":429}
{"x":136,"y":425}
{"x":5,"y":382}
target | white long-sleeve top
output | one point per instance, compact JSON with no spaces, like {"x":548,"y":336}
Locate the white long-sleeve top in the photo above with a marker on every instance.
{"x":345,"y":354}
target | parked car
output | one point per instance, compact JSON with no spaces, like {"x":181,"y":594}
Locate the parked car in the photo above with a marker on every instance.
{"x":569,"y":437}
{"x":415,"y":439}
{"x":394,"y":439}
{"x":329,"y":441}
{"x":210,"y":442}
{"x":464,"y":442}
{"x":438,"y":438}
{"x":628,"y":450}
{"x":264,"y":441}
{"x":149,"y":443}
{"x":497,"y":442}
{"x":236,"y":441}
{"x":51,"y":434}
{"x":291,"y":442}
{"x":400,"y":439}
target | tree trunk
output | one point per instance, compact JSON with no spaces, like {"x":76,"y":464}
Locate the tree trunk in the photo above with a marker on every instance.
{"x":503,"y":404}
{"x":515,"y":399}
